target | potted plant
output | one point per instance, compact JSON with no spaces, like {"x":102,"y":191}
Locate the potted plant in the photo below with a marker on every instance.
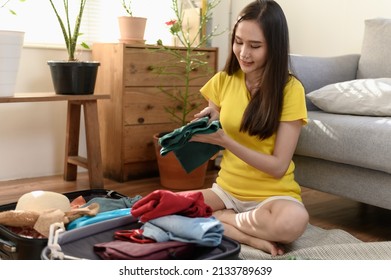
{"x":11,"y":43}
{"x":72,"y":76}
{"x":132,"y":28}
{"x":185,"y":101}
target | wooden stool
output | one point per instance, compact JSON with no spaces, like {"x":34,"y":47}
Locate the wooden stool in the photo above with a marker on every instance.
{"x":93,"y":162}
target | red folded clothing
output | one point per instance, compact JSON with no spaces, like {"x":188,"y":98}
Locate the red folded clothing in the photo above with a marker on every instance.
{"x":162,"y":203}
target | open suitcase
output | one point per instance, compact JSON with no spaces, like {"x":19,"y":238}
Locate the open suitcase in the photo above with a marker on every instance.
{"x":78,"y":243}
{"x":16,"y":247}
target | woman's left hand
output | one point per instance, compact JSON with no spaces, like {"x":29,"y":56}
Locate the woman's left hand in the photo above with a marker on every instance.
{"x":216,"y":138}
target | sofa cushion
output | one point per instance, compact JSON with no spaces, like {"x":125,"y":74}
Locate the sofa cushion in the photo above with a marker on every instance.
{"x":357,"y":140}
{"x":370,"y":97}
{"x":316,"y":72}
{"x":375,"y":52}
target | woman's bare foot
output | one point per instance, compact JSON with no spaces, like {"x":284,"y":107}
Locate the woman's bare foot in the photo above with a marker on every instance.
{"x":267,"y":246}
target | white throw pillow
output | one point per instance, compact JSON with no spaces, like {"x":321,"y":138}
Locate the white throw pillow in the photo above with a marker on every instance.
{"x":370,"y":97}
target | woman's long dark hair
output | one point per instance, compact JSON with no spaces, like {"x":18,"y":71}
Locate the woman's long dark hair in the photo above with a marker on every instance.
{"x":262,"y":115}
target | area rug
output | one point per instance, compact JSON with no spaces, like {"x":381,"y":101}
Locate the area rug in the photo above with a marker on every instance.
{"x":320,"y":244}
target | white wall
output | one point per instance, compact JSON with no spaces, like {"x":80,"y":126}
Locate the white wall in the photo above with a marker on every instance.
{"x":325,"y":28}
{"x":32,"y":135}
{"x":332,"y":27}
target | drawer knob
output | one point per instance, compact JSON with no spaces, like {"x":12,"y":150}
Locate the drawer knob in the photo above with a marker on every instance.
{"x":132,"y":68}
{"x":140,"y":120}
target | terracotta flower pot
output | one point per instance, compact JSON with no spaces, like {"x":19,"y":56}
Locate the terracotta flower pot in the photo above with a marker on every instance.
{"x":172,"y":174}
{"x":132,"y":29}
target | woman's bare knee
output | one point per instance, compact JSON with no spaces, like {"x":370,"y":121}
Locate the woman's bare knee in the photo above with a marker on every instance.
{"x":291,"y":227}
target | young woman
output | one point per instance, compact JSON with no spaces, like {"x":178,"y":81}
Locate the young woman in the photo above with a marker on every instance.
{"x":261,"y":108}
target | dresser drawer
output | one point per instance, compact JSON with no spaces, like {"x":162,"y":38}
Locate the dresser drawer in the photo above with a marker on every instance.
{"x":138,"y":141}
{"x":145,"y":105}
{"x":140,"y":67}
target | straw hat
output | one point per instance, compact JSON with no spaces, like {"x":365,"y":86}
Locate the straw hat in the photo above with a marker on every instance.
{"x":40,"y":201}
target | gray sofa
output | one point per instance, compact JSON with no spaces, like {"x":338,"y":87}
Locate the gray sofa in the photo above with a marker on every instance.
{"x":344,"y":153}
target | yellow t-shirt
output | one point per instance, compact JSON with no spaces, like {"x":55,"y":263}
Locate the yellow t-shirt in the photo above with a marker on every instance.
{"x":235,"y":176}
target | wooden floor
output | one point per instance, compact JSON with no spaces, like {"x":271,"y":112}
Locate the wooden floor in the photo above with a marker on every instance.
{"x":365,"y":222}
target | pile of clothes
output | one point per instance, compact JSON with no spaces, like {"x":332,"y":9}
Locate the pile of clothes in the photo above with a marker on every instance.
{"x":173,"y":225}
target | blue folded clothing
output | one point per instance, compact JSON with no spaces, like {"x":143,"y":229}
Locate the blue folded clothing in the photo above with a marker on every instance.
{"x":202,"y":231}
{"x":109,"y":204}
{"x":103,"y":216}
{"x":191,"y":154}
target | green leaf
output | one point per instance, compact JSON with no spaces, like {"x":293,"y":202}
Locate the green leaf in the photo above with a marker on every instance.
{"x":84,"y":45}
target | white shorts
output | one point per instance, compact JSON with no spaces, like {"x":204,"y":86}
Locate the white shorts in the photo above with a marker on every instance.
{"x":240,"y":206}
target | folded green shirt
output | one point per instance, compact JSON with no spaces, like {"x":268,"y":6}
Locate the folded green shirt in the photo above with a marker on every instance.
{"x":190,"y":154}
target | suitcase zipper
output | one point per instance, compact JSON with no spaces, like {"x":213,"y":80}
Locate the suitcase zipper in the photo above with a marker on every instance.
{"x":7,"y":246}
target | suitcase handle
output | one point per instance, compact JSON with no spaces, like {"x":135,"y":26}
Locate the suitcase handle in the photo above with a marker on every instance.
{"x":55,"y":252}
{"x":7,"y":246}
{"x":114,"y":194}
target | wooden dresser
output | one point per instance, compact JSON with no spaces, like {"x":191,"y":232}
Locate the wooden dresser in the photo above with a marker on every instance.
{"x":135,"y":111}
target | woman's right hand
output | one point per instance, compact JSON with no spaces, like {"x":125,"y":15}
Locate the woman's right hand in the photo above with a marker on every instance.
{"x":212,"y":111}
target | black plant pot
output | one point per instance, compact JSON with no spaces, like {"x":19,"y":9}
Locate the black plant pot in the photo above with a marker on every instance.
{"x":74,"y":77}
